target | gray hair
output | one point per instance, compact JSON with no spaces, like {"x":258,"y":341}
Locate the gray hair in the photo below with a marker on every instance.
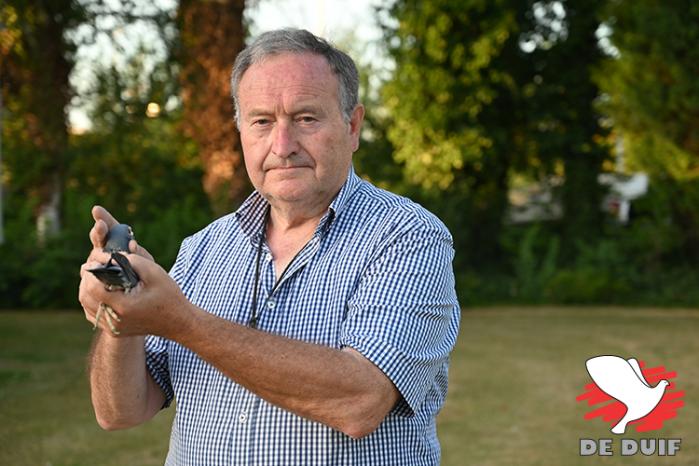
{"x":299,"y":41}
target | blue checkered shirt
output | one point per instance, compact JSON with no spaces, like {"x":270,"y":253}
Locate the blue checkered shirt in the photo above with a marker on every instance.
{"x":376,"y":276}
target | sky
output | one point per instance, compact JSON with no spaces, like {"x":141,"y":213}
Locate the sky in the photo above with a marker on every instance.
{"x":348,"y":23}
{"x":331,"y":19}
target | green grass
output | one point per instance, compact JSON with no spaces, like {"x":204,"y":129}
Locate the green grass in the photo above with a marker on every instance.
{"x":516,"y":372}
{"x":45,"y":413}
{"x":513,"y":382}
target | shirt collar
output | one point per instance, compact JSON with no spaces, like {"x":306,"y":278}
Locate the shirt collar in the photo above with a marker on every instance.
{"x":251,"y":213}
{"x":342,"y":199}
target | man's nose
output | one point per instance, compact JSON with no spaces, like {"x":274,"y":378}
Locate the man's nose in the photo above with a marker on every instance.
{"x":284,"y":143}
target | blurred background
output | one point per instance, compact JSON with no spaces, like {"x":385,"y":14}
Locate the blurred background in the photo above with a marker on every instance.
{"x":558,"y":141}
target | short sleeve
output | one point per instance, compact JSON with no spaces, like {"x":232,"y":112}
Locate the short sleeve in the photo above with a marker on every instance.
{"x":157,"y":357}
{"x":157,"y":363}
{"x":404,"y":314}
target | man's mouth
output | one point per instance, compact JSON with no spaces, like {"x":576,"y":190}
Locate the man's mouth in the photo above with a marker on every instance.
{"x":292,"y":167}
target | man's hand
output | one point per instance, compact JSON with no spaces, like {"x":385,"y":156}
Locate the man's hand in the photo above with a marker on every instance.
{"x":116,"y":362}
{"x":88,"y":299}
{"x":156,"y":306}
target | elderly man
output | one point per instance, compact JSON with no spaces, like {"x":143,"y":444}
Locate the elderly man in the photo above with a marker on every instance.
{"x":311,"y":326}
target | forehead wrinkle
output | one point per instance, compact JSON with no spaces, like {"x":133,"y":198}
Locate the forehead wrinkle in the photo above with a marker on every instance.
{"x":285,"y":68}
{"x":276,"y":76}
{"x":286,"y":99}
{"x":286,"y":104}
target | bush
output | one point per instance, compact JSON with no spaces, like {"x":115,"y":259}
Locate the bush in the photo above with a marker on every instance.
{"x":586,"y":285}
{"x":532,"y":269}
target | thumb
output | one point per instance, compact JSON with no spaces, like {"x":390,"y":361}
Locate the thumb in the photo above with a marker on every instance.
{"x":100,"y":213}
{"x":103,"y":222}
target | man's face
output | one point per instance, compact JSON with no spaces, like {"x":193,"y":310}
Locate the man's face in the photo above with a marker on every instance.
{"x":296,"y":144}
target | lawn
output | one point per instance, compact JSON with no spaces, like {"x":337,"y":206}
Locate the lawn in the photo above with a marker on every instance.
{"x":513,"y":382}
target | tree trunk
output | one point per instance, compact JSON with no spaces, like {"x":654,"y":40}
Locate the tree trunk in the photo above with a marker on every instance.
{"x":212,"y":35}
{"x":36,"y":73}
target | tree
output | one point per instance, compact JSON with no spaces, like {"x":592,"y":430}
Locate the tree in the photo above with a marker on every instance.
{"x":652,"y":85}
{"x":653,"y":100}
{"x":211,"y":35}
{"x":563,"y":119}
{"x":136,"y":160}
{"x":486,"y":90}
{"x":37,"y":60}
{"x":38,"y":44}
{"x":456,"y":111}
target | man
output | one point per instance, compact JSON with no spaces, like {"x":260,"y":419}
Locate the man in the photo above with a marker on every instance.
{"x":311,"y":326}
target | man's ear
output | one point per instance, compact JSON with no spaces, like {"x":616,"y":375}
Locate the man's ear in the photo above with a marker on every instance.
{"x":356,"y":125}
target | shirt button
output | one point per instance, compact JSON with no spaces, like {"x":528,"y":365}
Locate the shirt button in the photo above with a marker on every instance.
{"x":243,"y":417}
{"x":268,"y":256}
{"x":271,"y":303}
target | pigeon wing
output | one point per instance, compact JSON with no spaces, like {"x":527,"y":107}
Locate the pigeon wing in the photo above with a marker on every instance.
{"x":129,"y":275}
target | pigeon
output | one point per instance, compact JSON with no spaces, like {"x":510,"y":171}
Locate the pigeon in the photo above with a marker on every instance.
{"x":117,"y":274}
{"x":623,"y":380}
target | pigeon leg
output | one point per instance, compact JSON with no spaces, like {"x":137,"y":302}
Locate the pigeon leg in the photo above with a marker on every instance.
{"x":109,"y":316}
{"x":98,"y":315}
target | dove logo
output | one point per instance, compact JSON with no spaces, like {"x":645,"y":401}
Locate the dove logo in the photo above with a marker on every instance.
{"x":633,"y":397}
{"x":623,"y":380}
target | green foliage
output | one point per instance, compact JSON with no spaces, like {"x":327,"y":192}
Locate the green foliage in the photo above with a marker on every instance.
{"x":162,"y":210}
{"x":163,"y":232}
{"x":599,"y":274}
{"x":16,"y":252}
{"x":470,"y":108}
{"x":652,"y":85}
{"x":533,"y":271}
{"x":374,"y":158}
{"x":37,"y":59}
{"x":446,"y":84}
{"x":563,"y":123}
{"x":653,"y":99}
{"x":141,"y":169}
{"x":455,"y":73}
{"x":482,"y":93}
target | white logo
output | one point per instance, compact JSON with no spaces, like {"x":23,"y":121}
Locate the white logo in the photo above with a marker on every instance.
{"x":623,"y":380}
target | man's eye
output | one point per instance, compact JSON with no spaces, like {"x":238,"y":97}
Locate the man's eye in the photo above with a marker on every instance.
{"x":307,"y":119}
{"x":260,"y":122}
